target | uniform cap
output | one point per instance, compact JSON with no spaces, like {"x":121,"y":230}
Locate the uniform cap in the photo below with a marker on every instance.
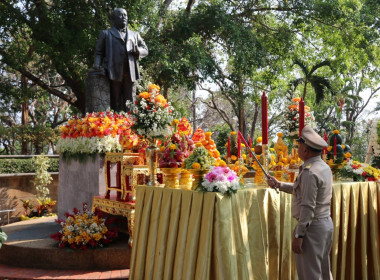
{"x":312,"y":139}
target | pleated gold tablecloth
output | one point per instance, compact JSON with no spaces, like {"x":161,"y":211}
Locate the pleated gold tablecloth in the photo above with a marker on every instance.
{"x":182,"y":234}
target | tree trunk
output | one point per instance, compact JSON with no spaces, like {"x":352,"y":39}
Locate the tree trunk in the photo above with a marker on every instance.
{"x":241,"y":122}
{"x":254,"y":121}
{"x":165,"y":92}
{"x":304,"y":89}
{"x":193,"y":110}
{"x":24,"y":112}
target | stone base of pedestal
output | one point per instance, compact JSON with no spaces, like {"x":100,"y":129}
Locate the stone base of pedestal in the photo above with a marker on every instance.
{"x":80,"y":181}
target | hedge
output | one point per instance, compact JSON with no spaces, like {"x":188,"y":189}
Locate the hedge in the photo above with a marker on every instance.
{"x":22,"y":165}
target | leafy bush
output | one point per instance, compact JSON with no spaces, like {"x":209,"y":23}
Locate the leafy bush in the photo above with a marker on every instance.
{"x":24,"y":165}
{"x":3,"y":237}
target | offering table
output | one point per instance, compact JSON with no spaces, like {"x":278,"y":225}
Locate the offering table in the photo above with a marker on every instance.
{"x":181,"y":234}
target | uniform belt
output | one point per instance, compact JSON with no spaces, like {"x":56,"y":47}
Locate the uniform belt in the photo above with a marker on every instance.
{"x":318,"y":219}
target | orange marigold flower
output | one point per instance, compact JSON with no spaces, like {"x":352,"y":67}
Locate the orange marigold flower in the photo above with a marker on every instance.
{"x":160,"y":99}
{"x":198,"y":144}
{"x":196,"y":165}
{"x":329,"y":148}
{"x":152,"y":87}
{"x":336,"y":131}
{"x":347,"y":155}
{"x":233,"y":132}
{"x":144,"y":94}
{"x":280,"y":134}
{"x":296,"y":99}
{"x":233,"y":157}
{"x":222,"y":163}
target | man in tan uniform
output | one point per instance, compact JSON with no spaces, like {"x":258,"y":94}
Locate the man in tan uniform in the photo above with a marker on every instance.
{"x":312,"y":192}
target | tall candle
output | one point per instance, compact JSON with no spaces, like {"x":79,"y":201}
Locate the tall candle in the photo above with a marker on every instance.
{"x":301,"y":116}
{"x":264,"y":118}
{"x":325,"y":138}
{"x":239,"y":144}
{"x":229,"y":147}
{"x":334,"y":146}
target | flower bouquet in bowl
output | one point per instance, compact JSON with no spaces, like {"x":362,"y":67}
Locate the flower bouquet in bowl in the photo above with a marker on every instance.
{"x":82,"y":230}
{"x":172,"y":156}
{"x":220,"y":179}
{"x":151,"y":115}
{"x":199,"y":163}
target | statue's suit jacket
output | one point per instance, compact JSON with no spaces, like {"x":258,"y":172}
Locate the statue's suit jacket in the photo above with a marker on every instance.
{"x":113,"y":48}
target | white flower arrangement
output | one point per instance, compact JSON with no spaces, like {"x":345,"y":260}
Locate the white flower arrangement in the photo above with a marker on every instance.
{"x":151,"y":114}
{"x":85,"y":145}
{"x":291,"y":123}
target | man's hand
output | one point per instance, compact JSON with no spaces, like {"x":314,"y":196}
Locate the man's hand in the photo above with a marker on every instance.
{"x":297,"y":245}
{"x":273,"y":182}
{"x":136,"y":51}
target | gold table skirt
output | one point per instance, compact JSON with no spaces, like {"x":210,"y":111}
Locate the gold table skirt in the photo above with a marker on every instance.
{"x":181,"y":234}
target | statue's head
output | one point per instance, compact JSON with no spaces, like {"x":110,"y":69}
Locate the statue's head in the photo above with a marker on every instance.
{"x":119,"y":18}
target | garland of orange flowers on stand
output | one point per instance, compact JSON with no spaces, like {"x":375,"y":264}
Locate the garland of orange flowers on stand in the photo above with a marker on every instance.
{"x":97,"y":132}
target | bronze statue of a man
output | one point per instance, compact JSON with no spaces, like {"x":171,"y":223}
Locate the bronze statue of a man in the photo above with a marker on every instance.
{"x":120,"y":50}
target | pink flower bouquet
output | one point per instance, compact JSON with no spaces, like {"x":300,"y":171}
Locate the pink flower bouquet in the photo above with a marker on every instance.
{"x":220,"y":179}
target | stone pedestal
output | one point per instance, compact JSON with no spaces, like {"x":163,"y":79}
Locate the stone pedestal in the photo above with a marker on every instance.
{"x":97,"y":91}
{"x":80,"y":181}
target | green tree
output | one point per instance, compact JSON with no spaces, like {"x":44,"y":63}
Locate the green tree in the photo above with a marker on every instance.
{"x":320,"y":84}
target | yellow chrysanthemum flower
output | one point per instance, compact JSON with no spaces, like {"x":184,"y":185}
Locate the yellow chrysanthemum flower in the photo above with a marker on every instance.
{"x":259,"y":139}
{"x":198,"y":144}
{"x":208,"y":133}
{"x":233,"y":132}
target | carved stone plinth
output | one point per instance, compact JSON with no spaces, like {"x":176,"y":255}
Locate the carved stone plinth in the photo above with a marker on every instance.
{"x":97,"y":91}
